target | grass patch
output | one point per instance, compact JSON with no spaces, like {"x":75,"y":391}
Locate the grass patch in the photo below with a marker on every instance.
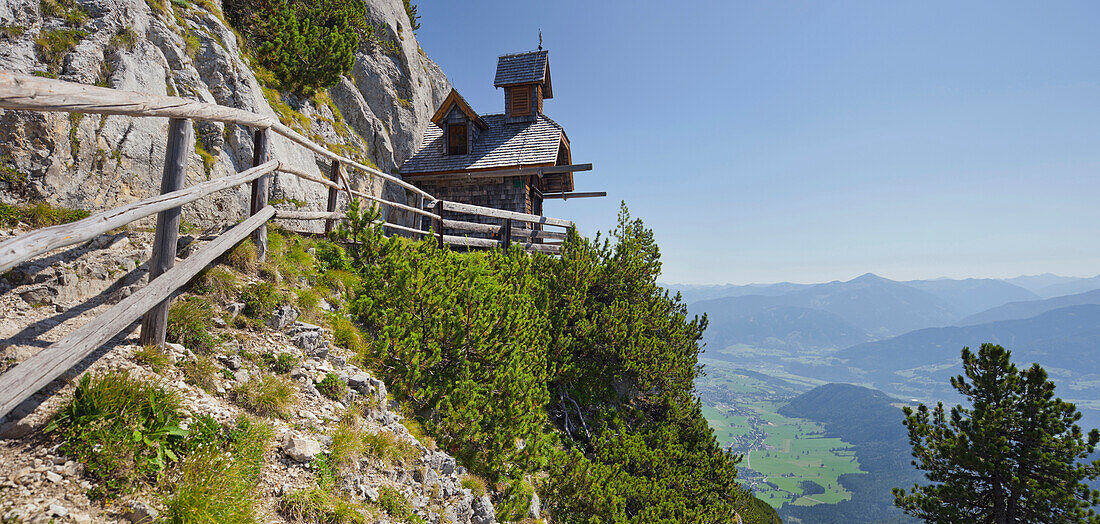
{"x":217,"y":283}
{"x":260,"y":300}
{"x":125,"y":38}
{"x":123,"y":429}
{"x":347,"y":445}
{"x":15,"y":179}
{"x":152,"y":357}
{"x":268,"y":395}
{"x":416,"y":429}
{"x":189,"y":323}
{"x":397,"y":506}
{"x":387,"y":448}
{"x":39,"y":215}
{"x":332,"y":386}
{"x":282,"y":363}
{"x":68,"y":10}
{"x":244,"y":257}
{"x":348,"y":335}
{"x":322,"y":506}
{"x":208,"y":159}
{"x":475,"y":484}
{"x":12,"y":31}
{"x":54,"y":44}
{"x":202,"y":371}
{"x":216,"y":486}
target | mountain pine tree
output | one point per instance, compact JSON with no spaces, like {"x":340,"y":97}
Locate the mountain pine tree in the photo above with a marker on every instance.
{"x":1014,"y":455}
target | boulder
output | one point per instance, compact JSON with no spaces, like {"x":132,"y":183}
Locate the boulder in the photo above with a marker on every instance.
{"x":282,"y":317}
{"x":483,"y":511}
{"x":141,"y":513}
{"x":302,"y":449}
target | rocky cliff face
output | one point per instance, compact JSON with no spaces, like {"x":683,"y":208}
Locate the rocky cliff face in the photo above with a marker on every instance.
{"x":186,"y":49}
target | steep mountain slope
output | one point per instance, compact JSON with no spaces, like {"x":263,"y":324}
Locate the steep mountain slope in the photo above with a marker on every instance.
{"x":187,"y":49}
{"x":1029,"y":308}
{"x":1063,"y":337}
{"x":867,"y":419}
{"x":972,"y":295}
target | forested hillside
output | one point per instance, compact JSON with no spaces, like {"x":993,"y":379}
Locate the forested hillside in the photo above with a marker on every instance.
{"x":571,"y":374}
{"x":867,"y":419}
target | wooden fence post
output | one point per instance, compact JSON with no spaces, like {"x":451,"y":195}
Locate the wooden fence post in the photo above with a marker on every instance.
{"x":422,"y":221}
{"x":154,"y":324}
{"x":335,"y":177}
{"x":261,"y":189}
{"x":507,"y":233}
{"x":439,"y":221}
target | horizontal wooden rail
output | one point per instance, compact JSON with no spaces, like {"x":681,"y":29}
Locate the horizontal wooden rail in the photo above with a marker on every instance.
{"x":471,"y":209}
{"x":550,"y":249}
{"x":19,"y":383}
{"x":309,"y":144}
{"x":20,"y":91}
{"x":496,"y":230}
{"x":29,"y":245}
{"x":308,"y":215}
{"x":301,"y":174}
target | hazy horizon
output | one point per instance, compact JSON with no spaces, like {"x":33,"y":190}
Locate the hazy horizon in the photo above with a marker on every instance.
{"x":846,"y":279}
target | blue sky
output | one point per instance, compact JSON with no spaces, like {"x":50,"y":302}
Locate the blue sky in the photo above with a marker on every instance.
{"x":815,"y":141}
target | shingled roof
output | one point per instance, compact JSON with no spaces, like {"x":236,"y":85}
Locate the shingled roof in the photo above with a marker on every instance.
{"x":501,"y":145}
{"x":525,"y":68}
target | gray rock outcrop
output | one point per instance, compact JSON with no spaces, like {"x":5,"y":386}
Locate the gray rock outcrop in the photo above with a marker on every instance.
{"x":92,"y":162}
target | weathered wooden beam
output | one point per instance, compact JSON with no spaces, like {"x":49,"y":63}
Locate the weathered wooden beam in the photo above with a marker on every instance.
{"x":502,"y":173}
{"x":309,"y":144}
{"x":506,"y":233}
{"x":406,"y":229}
{"x":490,"y":243}
{"x":439,"y":222}
{"x":301,"y":174}
{"x":567,"y":196}
{"x":332,"y":193}
{"x":31,"y":244}
{"x":154,"y":324}
{"x":20,"y":91}
{"x":470,"y":209}
{"x":19,"y":383}
{"x":27,"y":92}
{"x":261,"y":190}
{"x":288,"y":214}
{"x":496,"y":230}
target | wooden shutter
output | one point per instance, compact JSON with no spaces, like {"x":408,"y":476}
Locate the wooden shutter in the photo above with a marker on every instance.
{"x":521,"y":101}
{"x":456,"y":139}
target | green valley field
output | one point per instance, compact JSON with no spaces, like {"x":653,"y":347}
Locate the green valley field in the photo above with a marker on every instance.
{"x":786,"y":459}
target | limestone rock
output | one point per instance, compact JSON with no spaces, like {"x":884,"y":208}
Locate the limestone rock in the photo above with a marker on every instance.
{"x":95,"y":163}
{"x":141,"y":513}
{"x":282,"y":317}
{"x":483,"y":511}
{"x":302,"y":449}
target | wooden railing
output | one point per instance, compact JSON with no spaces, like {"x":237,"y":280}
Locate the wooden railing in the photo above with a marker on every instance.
{"x":26,"y":92}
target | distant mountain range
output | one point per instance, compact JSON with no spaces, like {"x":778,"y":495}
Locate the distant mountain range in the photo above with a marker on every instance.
{"x":1065,"y":338}
{"x":838,"y":314}
{"x":1030,"y":308}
